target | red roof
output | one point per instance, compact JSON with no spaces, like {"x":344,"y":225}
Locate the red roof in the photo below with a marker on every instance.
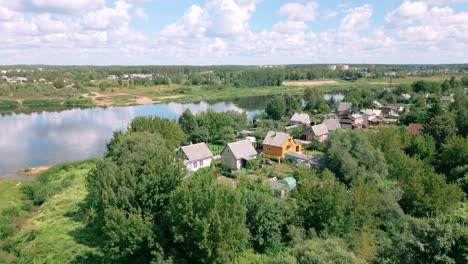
{"x":414,"y":128}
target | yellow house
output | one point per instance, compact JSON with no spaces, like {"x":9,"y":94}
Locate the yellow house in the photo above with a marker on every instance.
{"x":277,"y":144}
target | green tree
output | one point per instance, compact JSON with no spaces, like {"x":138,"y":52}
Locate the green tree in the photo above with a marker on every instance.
{"x":453,"y":157}
{"x":169,"y":129}
{"x":207,"y":220}
{"x":129,"y":191}
{"x":441,"y":128}
{"x":423,"y":146}
{"x":276,"y":108}
{"x":293,"y":105}
{"x":188,"y":122}
{"x":313,"y":97}
{"x":350,"y":155}
{"x":59,"y":84}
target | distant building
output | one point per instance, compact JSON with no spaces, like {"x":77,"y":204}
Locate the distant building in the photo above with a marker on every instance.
{"x":281,"y":188}
{"x":344,"y":109}
{"x":332,"y":124}
{"x":344,"y":67}
{"x":372,"y":117}
{"x":352,"y":122}
{"x":446,"y":100}
{"x":299,"y":119}
{"x":332,"y":67}
{"x":197,"y":156}
{"x":318,"y":132}
{"x":415,"y":128}
{"x":111,"y":77}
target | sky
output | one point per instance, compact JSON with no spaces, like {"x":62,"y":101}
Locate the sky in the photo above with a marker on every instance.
{"x":241,"y":32}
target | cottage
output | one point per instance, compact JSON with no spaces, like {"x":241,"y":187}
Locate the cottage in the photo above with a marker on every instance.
{"x":235,"y":155}
{"x":300,"y":119}
{"x":414,"y":128}
{"x":332,"y":124}
{"x":318,"y":132}
{"x":277,"y":144}
{"x":377,"y":104}
{"x":344,"y":108}
{"x":197,"y":156}
{"x":397,"y":107}
{"x":372,"y":117}
{"x":352,"y":121}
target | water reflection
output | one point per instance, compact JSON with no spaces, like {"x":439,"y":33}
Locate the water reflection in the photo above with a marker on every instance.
{"x":30,"y":140}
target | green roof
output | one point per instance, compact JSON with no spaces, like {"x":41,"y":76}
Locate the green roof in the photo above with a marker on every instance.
{"x":290,"y":182}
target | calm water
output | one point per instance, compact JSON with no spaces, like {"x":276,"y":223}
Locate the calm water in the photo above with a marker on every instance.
{"x":46,"y":138}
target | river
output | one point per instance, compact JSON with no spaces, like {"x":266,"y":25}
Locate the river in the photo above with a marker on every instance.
{"x":46,"y":138}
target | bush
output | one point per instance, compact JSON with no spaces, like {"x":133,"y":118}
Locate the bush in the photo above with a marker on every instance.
{"x":8,"y":104}
{"x":79,"y":102}
{"x":42,"y":103}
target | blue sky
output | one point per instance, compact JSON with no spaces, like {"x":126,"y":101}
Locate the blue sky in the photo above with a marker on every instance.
{"x":207,"y":32}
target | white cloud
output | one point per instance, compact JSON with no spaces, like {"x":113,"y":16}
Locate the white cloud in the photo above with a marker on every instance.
{"x":139,"y":12}
{"x":107,"y":18}
{"x":298,"y":11}
{"x":406,"y":13}
{"x":444,"y":2}
{"x":7,"y":14}
{"x":357,"y":19}
{"x":230,"y":17}
{"x":192,"y":24}
{"x":290,"y":27}
{"x":47,"y":23}
{"x":57,"y":6}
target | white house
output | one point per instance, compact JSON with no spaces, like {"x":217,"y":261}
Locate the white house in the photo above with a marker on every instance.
{"x":197,"y":156}
{"x":235,"y":155}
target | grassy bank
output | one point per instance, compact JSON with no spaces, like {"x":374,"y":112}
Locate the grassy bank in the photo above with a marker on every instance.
{"x":57,"y":231}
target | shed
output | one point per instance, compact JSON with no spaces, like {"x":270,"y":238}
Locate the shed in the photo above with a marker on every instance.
{"x":290,"y":182}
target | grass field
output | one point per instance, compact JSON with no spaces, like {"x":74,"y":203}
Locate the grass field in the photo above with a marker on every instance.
{"x":10,"y":194}
{"x":57,"y":232}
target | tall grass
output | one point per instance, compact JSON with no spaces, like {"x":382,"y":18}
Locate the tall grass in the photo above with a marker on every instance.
{"x":35,"y":103}
{"x":8,"y":104}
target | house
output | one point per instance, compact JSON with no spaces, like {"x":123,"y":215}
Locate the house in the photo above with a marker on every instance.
{"x":299,"y":119}
{"x":235,"y":155}
{"x":277,"y":144}
{"x":318,"y":132}
{"x":344,"y":108}
{"x":446,"y":100}
{"x":414,"y":128}
{"x":197,"y":156}
{"x":246,"y":133}
{"x":405,"y":97}
{"x":372,"y":117}
{"x":397,"y":107}
{"x":283,"y":187}
{"x":111,"y":77}
{"x":332,"y":124}
{"x":377,"y":104}
{"x":352,"y":121}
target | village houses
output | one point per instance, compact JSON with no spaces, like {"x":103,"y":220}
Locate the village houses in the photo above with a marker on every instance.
{"x":277,"y":144}
{"x":300,"y":119}
{"x":318,"y":132}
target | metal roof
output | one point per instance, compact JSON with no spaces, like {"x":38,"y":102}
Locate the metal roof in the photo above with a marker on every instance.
{"x":198,"y":151}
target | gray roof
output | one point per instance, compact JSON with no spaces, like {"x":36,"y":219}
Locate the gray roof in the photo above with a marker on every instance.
{"x":198,"y":151}
{"x":298,"y":155}
{"x":300,"y":117}
{"x":276,"y":139}
{"x":242,"y":149}
{"x":343,"y":106}
{"x":332,"y":124}
{"x":319,"y":130}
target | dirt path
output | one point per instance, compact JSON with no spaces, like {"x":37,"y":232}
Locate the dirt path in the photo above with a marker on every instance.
{"x":142,"y":100}
{"x":308,"y":83}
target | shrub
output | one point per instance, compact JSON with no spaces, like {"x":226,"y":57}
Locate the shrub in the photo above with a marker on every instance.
{"x":8,"y":104}
{"x":42,"y":103}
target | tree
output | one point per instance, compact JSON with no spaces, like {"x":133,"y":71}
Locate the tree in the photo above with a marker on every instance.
{"x":188,"y":122}
{"x":276,"y":108}
{"x":206,"y":220}
{"x":436,"y":240}
{"x":323,"y":203}
{"x":313,"y":97}
{"x":350,"y":155}
{"x":453,"y":157}
{"x":169,"y":129}
{"x":423,"y":146}
{"x":59,"y":84}
{"x":441,"y":128}
{"x":129,"y":191}
{"x":293,"y":105}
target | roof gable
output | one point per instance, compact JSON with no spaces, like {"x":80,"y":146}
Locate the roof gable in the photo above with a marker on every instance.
{"x":198,"y":151}
{"x":332,"y":124}
{"x":319,"y":130}
{"x":300,"y":117}
{"x":277,"y":139}
{"x":241,"y":149}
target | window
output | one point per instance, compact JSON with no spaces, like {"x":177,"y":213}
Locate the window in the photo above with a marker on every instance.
{"x":195,"y":165}
{"x":201,"y":163}
{"x":268,"y":149}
